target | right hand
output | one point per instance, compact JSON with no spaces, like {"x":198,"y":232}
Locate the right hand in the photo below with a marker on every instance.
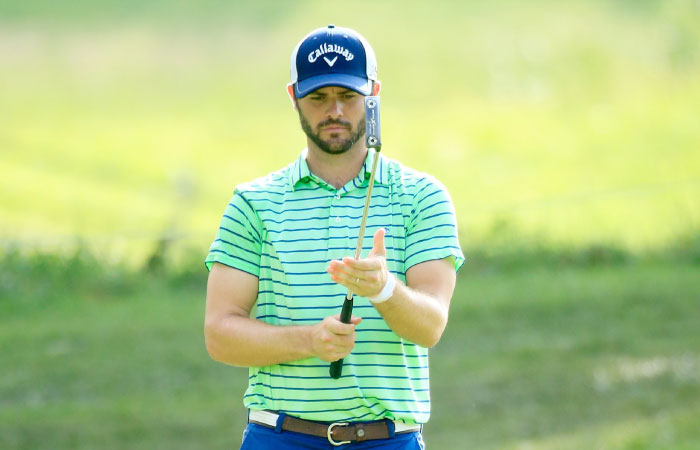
{"x":332,"y":339}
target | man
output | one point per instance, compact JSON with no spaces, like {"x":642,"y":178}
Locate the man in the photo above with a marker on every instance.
{"x":279,"y":270}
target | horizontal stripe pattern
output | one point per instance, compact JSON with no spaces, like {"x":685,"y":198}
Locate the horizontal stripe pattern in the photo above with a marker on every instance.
{"x":285,"y":228}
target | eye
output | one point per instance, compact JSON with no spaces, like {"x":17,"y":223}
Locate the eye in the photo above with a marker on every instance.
{"x":349,"y":96}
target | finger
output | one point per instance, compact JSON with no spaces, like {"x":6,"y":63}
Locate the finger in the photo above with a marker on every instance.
{"x":340,"y":268}
{"x":379,"y":249}
{"x":336,"y":266}
{"x":340,"y":353}
{"x":366,"y":279}
{"x":365,"y":264}
{"x":346,"y":280}
{"x":355,"y":320}
{"x":340,"y":328}
{"x":344,"y":341}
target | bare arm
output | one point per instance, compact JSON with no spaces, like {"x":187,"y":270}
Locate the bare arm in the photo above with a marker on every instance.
{"x":417,"y":311}
{"x":232,"y":337}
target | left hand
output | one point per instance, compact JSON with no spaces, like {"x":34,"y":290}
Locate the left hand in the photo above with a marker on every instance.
{"x":365,"y":276}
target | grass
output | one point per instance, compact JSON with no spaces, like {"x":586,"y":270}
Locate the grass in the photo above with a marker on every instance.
{"x":546,"y":355}
{"x":565,"y":131}
{"x":571,"y":354}
{"x":571,"y":120}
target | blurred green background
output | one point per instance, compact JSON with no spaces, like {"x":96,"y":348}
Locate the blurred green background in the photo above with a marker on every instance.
{"x":566,"y":131}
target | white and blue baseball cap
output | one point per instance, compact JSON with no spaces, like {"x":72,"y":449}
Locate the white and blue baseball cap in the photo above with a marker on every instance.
{"x":333,"y":56}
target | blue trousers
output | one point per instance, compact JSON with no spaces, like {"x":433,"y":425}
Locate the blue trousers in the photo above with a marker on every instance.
{"x":258,"y":437}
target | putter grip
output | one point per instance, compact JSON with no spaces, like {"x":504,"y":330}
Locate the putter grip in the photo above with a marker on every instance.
{"x":337,"y":366}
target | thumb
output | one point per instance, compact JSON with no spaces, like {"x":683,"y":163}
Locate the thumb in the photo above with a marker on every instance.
{"x":379,"y":249}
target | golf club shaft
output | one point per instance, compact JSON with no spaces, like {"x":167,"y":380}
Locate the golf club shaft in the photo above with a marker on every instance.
{"x":346,"y":313}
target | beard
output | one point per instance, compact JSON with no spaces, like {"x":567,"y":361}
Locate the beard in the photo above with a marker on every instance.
{"x":334,"y":145}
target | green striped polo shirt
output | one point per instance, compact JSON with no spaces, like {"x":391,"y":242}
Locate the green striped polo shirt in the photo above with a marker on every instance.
{"x":285,"y":228}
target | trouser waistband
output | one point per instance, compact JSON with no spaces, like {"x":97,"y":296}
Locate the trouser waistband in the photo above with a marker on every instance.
{"x":337,"y":433}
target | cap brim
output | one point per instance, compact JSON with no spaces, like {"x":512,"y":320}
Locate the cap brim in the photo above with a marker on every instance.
{"x":357,"y":84}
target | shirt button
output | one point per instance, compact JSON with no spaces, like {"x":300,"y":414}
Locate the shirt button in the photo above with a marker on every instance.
{"x":337,"y":196}
{"x":337,"y":220}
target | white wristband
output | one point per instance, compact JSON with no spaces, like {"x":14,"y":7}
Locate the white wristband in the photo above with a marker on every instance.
{"x":387,"y":291}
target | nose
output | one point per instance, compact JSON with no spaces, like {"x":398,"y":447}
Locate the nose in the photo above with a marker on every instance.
{"x":335,"y":109}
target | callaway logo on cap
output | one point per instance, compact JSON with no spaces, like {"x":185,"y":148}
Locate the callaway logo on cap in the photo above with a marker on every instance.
{"x":333,"y":56}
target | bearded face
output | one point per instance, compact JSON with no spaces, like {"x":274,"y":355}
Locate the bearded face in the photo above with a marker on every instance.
{"x":338,"y":135}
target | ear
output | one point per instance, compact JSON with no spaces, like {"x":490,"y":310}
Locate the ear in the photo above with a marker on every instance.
{"x":290,"y":92}
{"x":377,"y":87}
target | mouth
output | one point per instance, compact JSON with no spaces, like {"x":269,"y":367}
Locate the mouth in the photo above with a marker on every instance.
{"x":334,"y":129}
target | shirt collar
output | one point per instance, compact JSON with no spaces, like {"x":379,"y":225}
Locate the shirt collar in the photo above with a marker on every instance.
{"x":299,"y":171}
{"x":382,"y":168}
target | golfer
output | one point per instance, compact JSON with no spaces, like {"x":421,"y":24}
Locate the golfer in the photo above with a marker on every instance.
{"x":281,"y":264}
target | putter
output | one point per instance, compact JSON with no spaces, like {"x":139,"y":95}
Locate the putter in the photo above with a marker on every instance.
{"x":372,"y":140}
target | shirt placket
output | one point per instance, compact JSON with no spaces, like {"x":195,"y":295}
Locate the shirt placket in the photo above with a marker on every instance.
{"x":338,"y":226}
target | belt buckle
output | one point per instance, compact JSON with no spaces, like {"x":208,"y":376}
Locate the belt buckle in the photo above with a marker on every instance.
{"x":330,"y":430}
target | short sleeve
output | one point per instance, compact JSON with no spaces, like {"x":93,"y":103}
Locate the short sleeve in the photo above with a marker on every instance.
{"x":432,"y":229}
{"x":238,"y":242}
